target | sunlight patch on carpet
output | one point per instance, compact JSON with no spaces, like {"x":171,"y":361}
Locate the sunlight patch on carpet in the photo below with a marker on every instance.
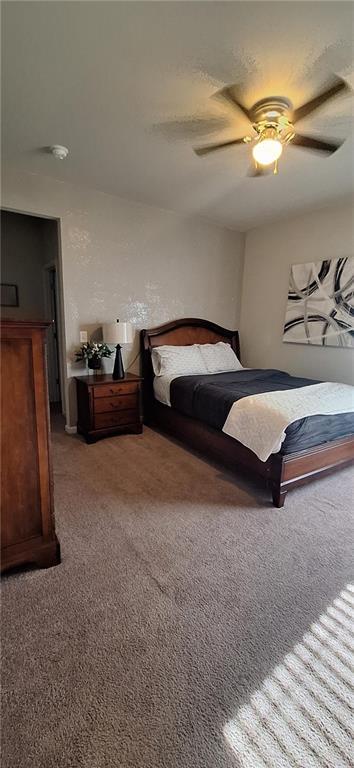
{"x":302,"y":715}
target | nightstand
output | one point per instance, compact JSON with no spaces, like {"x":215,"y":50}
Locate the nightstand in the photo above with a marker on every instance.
{"x":108,"y":407}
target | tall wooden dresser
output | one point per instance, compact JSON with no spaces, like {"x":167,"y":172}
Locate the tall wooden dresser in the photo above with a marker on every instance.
{"x":27,"y":514}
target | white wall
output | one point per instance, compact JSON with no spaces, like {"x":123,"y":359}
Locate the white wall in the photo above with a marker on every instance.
{"x":132,"y":261}
{"x":269,"y":251}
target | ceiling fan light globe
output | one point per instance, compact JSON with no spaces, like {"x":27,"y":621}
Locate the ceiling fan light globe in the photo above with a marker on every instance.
{"x":267,"y":151}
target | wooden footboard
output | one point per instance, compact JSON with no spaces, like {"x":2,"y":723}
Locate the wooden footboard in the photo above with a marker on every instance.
{"x":295,"y":469}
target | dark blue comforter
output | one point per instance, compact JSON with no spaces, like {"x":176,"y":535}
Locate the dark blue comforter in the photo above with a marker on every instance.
{"x":209,"y":398}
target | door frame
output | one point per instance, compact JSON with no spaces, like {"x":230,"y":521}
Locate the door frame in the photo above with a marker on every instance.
{"x":47,"y":268}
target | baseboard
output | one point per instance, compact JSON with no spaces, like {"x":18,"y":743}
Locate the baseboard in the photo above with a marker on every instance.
{"x":70,"y":430}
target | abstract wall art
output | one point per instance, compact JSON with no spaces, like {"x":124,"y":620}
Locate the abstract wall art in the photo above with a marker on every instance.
{"x":320,"y":306}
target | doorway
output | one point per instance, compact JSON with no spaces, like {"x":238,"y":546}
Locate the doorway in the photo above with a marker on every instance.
{"x":30,"y":260}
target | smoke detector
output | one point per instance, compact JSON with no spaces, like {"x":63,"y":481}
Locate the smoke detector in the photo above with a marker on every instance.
{"x":59,"y":152}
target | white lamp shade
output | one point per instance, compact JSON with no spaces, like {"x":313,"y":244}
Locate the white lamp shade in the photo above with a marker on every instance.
{"x":118,"y":333}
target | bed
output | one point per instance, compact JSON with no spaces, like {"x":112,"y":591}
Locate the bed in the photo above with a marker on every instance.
{"x":299,"y":459}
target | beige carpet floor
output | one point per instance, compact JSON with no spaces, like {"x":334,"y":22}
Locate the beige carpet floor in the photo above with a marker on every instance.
{"x":162,"y":638}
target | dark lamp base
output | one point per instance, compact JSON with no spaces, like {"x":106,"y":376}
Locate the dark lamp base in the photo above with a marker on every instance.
{"x":118,"y":370}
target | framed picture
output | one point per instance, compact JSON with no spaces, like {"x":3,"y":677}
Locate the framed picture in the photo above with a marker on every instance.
{"x":320,"y":306}
{"x":8,"y":295}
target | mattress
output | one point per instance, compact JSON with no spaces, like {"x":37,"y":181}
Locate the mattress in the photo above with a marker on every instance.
{"x":209,"y":398}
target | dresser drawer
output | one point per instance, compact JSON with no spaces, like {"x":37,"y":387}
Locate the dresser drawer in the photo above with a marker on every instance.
{"x":117,"y":419}
{"x":115,"y":389}
{"x":117,"y":403}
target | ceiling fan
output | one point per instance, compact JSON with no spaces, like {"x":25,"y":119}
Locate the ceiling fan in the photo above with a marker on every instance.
{"x":273,"y":120}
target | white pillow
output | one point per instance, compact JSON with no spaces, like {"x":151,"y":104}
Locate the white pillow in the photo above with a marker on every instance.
{"x":219,"y":358}
{"x":181,"y":361}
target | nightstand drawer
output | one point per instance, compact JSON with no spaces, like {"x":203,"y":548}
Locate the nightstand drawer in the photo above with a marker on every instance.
{"x":117,"y":403}
{"x":116,"y":419}
{"x":115,"y":389}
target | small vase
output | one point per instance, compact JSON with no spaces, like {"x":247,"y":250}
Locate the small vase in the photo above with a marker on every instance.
{"x":94,"y":363}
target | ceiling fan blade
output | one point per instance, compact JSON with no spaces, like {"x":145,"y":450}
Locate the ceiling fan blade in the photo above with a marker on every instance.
{"x":228,"y":93}
{"x":213,"y":147}
{"x":192,"y":127}
{"x":338,"y":86}
{"x":319,"y":145}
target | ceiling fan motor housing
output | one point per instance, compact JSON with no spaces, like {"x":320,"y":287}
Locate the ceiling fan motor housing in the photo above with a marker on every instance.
{"x":271,"y":119}
{"x":271,"y":109}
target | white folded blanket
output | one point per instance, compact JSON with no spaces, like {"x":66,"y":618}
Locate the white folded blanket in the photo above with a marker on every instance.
{"x":259,"y":421}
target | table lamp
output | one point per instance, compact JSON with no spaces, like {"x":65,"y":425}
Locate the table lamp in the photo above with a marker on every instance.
{"x":118,"y":333}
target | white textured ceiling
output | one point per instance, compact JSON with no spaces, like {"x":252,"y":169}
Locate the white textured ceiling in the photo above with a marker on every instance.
{"x":113,"y":80}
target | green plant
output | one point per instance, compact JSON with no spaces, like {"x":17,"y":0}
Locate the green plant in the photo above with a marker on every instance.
{"x":93,"y":349}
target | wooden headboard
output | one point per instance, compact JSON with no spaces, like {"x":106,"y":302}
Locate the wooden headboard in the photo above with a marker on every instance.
{"x":189,"y":330}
